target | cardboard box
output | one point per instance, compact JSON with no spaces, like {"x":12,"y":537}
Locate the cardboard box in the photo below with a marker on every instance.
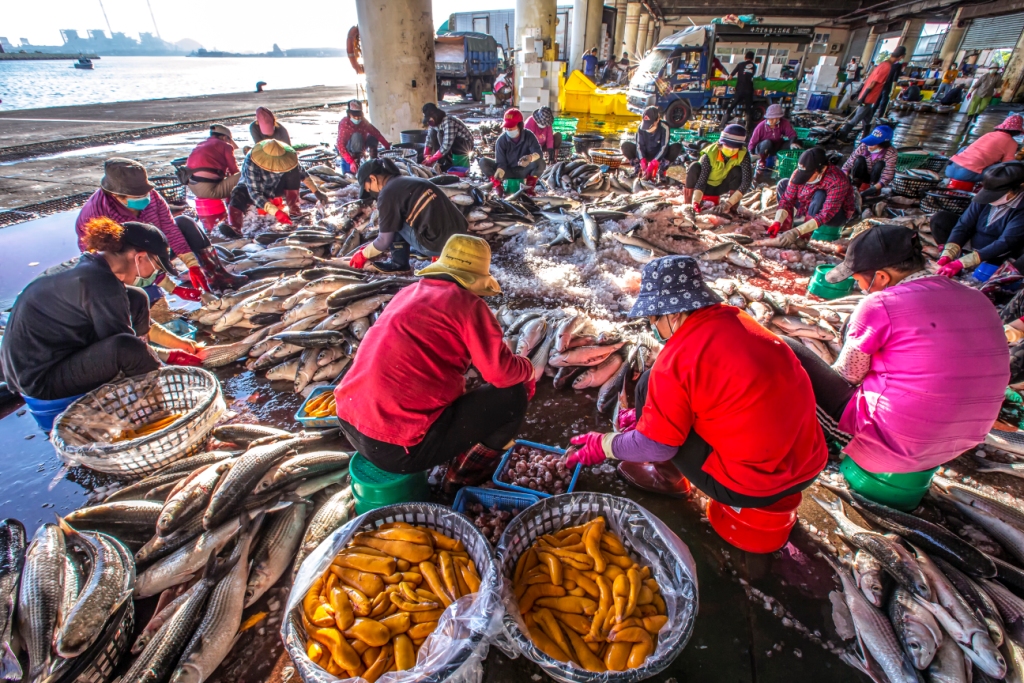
{"x":528,"y":58}
{"x":538,"y":48}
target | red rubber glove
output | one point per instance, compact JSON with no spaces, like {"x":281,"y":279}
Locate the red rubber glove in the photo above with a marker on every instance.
{"x":358,"y":260}
{"x":531,"y":388}
{"x":187,"y":293}
{"x":283,"y":218}
{"x":773,"y":229}
{"x":950,"y":269}
{"x":590,"y":451}
{"x":432,"y":159}
{"x":198,"y":277}
{"x":183,"y":358}
{"x":652,"y":169}
{"x":943,"y":261}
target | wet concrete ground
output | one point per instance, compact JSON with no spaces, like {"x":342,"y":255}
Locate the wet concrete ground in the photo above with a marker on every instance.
{"x":738,"y":637}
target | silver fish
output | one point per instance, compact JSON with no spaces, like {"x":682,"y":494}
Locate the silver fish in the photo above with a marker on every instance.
{"x":307,"y":368}
{"x":598,"y":374}
{"x":584,"y":355}
{"x":531,"y":334}
{"x":338,"y":510}
{"x":192,"y":498}
{"x":1002,"y":521}
{"x":949,"y":665}
{"x":565,"y":331}
{"x":359,"y":327}
{"x":301,"y":467}
{"x":916,"y":628}
{"x":159,"y":619}
{"x":591,"y":231}
{"x":39,"y":599}
{"x":12,"y":560}
{"x":540,"y":356}
{"x":331,"y":370}
{"x":795,"y":327}
{"x":245,"y":473}
{"x":275,"y":550}
{"x":870,"y":577}
{"x":285,"y":371}
{"x":181,"y":565}
{"x":1013,"y":469}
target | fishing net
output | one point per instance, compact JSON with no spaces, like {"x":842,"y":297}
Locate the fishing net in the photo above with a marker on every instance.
{"x":650,"y":543}
{"x":456,"y":650}
{"x":92,"y":431}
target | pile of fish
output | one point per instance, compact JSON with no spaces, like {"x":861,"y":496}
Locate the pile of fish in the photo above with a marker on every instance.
{"x":585,"y":178}
{"x":924,"y":603}
{"x":211,"y":534}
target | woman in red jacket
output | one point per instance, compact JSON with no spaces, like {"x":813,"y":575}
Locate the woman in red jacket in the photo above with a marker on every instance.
{"x":404,"y":404}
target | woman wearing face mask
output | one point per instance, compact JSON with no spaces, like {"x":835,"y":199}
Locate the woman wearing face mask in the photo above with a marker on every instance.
{"x":709,"y":410}
{"x":723,"y":171}
{"x":990,"y":149}
{"x":358,"y":137}
{"x":924,"y":366}
{"x":413,"y":215}
{"x":993,"y":224}
{"x":77,"y":327}
{"x":651,"y":149}
{"x":517,"y":155}
{"x":872,"y":165}
{"x":818,"y":192}
{"x":540,"y":124}
{"x":772,"y":135}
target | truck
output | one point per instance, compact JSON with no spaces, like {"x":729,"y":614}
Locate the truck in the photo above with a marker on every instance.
{"x":467,"y":63}
{"x":677,"y":75}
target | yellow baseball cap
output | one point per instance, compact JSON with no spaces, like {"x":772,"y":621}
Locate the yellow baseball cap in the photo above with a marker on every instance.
{"x":468,"y":260}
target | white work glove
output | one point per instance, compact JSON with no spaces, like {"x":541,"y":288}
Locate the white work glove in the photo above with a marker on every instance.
{"x":1013,"y":335}
{"x":528,"y":159}
{"x":791,"y":238}
{"x":499,"y":173}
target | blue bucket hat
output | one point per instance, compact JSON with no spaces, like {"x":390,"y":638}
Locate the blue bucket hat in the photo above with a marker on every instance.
{"x":672,"y":284}
{"x":879,"y":135}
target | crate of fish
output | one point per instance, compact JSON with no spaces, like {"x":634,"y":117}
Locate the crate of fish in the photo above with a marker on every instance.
{"x":637,"y":601}
{"x":956,"y":201}
{"x":137,"y":425}
{"x":491,"y":509}
{"x":170,"y":188}
{"x":319,"y":411}
{"x":431,"y":627}
{"x":908,"y":160}
{"x":535,"y":468}
{"x":912,"y":184}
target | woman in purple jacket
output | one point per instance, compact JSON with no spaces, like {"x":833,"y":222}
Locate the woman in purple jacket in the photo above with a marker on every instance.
{"x":773,"y":134}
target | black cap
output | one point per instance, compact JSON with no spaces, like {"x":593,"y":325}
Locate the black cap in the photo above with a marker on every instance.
{"x":148,"y":238}
{"x":652,"y":114}
{"x":876,"y":248}
{"x":997,"y":180}
{"x":430,"y":111}
{"x":811,"y":161}
{"x":899,"y":51}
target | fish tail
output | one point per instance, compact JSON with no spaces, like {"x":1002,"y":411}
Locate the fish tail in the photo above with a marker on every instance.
{"x":10,"y":668}
{"x":66,"y":528}
{"x":832,"y":507}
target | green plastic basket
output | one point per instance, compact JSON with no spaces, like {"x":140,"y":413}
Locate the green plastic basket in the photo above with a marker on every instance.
{"x":712,"y":136}
{"x":512,"y":185}
{"x":676,"y":135}
{"x":901,"y":491}
{"x":786,"y":162}
{"x":827,"y":233}
{"x":565,"y":125}
{"x":908,"y":160}
{"x":803,"y":133}
{"x":820,"y":287}
{"x":374,"y":488}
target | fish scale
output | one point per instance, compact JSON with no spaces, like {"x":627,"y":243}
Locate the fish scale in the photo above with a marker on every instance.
{"x":337,"y":510}
{"x":42,"y":588}
{"x":274,"y":552}
{"x":243,"y":476}
{"x":12,"y":560}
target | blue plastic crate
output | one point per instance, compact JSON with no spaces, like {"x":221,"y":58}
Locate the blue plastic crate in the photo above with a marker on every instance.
{"x":316,"y":422}
{"x":507,"y":501}
{"x":512,"y":487}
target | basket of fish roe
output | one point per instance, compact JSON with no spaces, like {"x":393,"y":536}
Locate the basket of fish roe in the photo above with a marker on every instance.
{"x":403,"y":593}
{"x":595,"y":589}
{"x":137,"y":425}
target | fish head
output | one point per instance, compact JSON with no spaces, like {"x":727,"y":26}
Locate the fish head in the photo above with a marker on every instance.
{"x":871,"y":586}
{"x":187,"y":673}
{"x":920,"y":643}
{"x":986,"y":656}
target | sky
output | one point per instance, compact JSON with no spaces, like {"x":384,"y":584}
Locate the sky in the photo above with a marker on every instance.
{"x":233,"y":25}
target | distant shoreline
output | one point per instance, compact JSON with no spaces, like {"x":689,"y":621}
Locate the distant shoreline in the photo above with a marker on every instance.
{"x":39,"y":56}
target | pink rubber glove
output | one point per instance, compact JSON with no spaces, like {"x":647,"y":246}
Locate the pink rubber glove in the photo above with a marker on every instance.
{"x":643,"y":167}
{"x":590,"y":451}
{"x":652,"y":169}
{"x":943,"y":261}
{"x":773,"y":229}
{"x":187,"y":293}
{"x":358,"y":260}
{"x":950,"y":269}
{"x":627,"y":420}
{"x":531,"y":388}
{"x":431,"y":160}
{"x":183,"y":358}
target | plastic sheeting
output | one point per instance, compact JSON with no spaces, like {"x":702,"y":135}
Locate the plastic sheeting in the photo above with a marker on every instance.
{"x":456,"y":650}
{"x":650,"y":543}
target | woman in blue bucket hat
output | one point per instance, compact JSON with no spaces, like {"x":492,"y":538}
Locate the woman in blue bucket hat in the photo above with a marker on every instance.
{"x":711,"y":409}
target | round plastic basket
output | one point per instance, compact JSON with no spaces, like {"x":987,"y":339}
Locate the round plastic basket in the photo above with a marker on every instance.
{"x":905,"y":160}
{"x":586,"y":141}
{"x":607,"y":156}
{"x":317,"y":157}
{"x":461,"y":637}
{"x":650,"y":543}
{"x":169,"y":187}
{"x":936,"y":162}
{"x":947,"y":200}
{"x":908,"y":186}
{"x":398,"y":153}
{"x":83,"y":433}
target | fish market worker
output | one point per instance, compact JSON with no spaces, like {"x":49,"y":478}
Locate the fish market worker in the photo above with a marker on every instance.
{"x":709,"y":409}
{"x":358,"y":137}
{"x":772,"y":135}
{"x":517,"y":155}
{"x":125,"y":194}
{"x":993,"y":224}
{"x":213,"y":171}
{"x":449,"y":140}
{"x":872,"y":166}
{"x":990,"y":149}
{"x":652,"y":147}
{"x":413,"y":214}
{"x":723,"y":171}
{"x":404,"y":404}
{"x":75,"y":328}
{"x":924,"y":367}
{"x":267,"y":127}
{"x":541,"y":125}
{"x":817,"y":191}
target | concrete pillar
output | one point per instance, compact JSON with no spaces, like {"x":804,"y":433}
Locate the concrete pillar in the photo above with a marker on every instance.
{"x":620,"y":28}
{"x":869,"y":49}
{"x":578,"y":40}
{"x":595,"y":17}
{"x":632,"y":28}
{"x":911,"y":34}
{"x":951,"y":43}
{"x":641,"y":35}
{"x":653,"y":29}
{"x":1014,"y":72}
{"x":536,"y":14}
{"x":397,"y":38}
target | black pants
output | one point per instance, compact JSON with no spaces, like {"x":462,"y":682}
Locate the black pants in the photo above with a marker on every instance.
{"x":817,"y":201}
{"x":552,"y":154}
{"x":100,"y":363}
{"x":769,"y":148}
{"x":489,"y":166}
{"x":485,"y":415}
{"x":746,"y":101}
{"x":942,"y":224}
{"x":357,"y":144}
{"x":692,"y":455}
{"x":434,"y":143}
{"x":632,"y":155}
{"x":861,"y":173}
{"x":193,"y":234}
{"x":832,"y":392}
{"x":862,"y":116}
{"x":733,"y":181}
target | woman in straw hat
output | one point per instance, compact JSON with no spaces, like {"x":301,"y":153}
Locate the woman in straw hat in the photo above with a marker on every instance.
{"x":265,"y":176}
{"x":403,"y":405}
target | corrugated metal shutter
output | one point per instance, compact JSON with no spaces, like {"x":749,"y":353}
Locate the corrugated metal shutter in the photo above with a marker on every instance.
{"x":993,"y":33}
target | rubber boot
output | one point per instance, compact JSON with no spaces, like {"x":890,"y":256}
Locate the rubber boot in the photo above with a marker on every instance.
{"x":219,"y":278}
{"x":471,"y":468}
{"x":291,"y":197}
{"x":688,"y":196}
{"x":233,"y":227}
{"x":531,"y":185}
{"x":399,"y":261}
{"x":499,"y":188}
{"x":656,"y":477}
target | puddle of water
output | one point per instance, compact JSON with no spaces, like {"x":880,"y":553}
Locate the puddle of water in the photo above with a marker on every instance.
{"x":45,"y":242}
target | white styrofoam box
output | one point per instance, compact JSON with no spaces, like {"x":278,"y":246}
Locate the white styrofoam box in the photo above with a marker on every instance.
{"x":530,"y":92}
{"x":528,"y":58}
{"x":532,"y":31}
{"x":827,"y":61}
{"x":524,"y":99}
{"x":826,"y":70}
{"x":527,"y":43}
{"x":532,"y":82}
{"x":538,"y":47}
{"x":530,"y":70}
{"x":545,"y":97}
{"x":490,"y":100}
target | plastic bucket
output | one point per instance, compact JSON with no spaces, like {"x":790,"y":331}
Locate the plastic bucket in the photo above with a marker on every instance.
{"x":984,"y":271}
{"x":413,"y":136}
{"x":756,"y":530}
{"x":824,"y":289}
{"x":901,"y":491}
{"x":964,"y":185}
{"x":827,"y":233}
{"x":374,"y":488}
{"x":45,"y":412}
{"x":512,"y":185}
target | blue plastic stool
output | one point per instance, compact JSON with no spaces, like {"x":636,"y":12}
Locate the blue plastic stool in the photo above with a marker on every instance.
{"x":45,"y":412}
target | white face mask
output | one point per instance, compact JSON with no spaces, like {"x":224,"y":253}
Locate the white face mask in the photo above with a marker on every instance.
{"x":816,"y":180}
{"x":512,"y":132}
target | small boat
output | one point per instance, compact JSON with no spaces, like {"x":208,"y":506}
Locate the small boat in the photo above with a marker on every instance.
{"x":83,"y":63}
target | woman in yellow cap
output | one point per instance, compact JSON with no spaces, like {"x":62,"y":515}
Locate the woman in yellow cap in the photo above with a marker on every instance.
{"x":404,"y":405}
{"x":266,"y":175}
